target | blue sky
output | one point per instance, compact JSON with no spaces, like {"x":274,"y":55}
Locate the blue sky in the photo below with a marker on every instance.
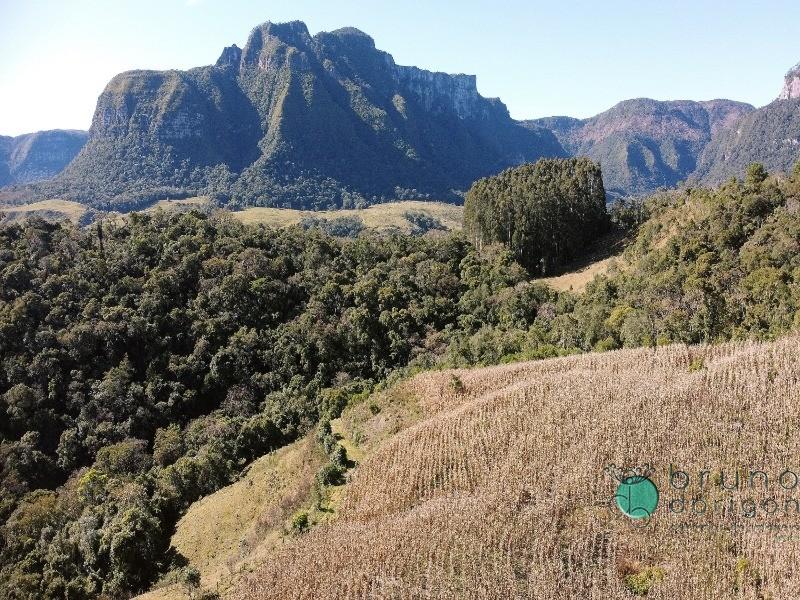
{"x":542,"y":58}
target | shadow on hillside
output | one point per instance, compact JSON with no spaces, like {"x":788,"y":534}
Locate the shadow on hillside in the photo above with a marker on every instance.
{"x":607,"y":246}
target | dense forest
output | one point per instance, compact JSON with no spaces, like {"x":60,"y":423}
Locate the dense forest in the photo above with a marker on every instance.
{"x":144,"y":363}
{"x":545,"y":213}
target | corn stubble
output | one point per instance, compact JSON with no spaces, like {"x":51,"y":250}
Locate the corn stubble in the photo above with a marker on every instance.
{"x":500,"y":491}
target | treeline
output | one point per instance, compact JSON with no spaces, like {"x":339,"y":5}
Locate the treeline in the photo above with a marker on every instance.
{"x":143,"y":364}
{"x":545,"y":213}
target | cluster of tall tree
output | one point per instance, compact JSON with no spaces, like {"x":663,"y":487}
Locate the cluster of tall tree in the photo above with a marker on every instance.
{"x":545,"y":213}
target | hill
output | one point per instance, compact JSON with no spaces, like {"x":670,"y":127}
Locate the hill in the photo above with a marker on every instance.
{"x":147,"y":361}
{"x":503,"y":489}
{"x":645,"y":144}
{"x":769,"y":135}
{"x":296,"y":121}
{"x":37,"y":156}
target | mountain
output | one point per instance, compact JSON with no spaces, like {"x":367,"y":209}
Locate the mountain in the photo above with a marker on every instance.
{"x":38,"y":156}
{"x":769,"y":135}
{"x":298,"y":120}
{"x":644,"y":144}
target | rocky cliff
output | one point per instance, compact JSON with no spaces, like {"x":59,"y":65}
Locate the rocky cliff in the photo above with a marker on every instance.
{"x":645,"y":144}
{"x":298,"y":120}
{"x":37,"y":156}
{"x":791,"y":84}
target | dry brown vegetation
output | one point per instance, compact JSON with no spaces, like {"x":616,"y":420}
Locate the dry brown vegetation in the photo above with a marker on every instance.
{"x":51,"y":209}
{"x":379,"y":216}
{"x":497,"y":489}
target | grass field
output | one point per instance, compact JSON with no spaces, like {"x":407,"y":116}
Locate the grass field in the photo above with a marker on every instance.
{"x":378,"y":216}
{"x":604,"y":256}
{"x":54,"y":209}
{"x":200,"y":202}
{"x":381,"y":217}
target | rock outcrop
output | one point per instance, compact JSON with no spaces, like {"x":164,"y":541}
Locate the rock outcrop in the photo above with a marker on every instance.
{"x":791,"y":84}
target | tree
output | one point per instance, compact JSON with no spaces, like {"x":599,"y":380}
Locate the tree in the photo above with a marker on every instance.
{"x":756,"y":175}
{"x":168,"y":445}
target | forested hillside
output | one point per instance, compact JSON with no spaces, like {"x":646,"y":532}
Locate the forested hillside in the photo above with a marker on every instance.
{"x":296,"y":121}
{"x":38,"y":156}
{"x":644,"y":144}
{"x":770,"y":135}
{"x":144,"y":363}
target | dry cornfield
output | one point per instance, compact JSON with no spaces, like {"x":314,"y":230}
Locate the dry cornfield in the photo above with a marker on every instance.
{"x":500,"y":490}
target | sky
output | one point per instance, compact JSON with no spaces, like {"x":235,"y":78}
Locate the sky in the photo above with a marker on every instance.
{"x":574,"y":58}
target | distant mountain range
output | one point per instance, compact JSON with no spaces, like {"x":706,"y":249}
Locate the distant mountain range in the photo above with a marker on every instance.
{"x":38,"y":156}
{"x":645,"y":144}
{"x":769,"y":135}
{"x":330,"y":121}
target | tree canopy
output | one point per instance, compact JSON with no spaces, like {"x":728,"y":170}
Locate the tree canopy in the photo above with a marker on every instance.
{"x":545,"y":213}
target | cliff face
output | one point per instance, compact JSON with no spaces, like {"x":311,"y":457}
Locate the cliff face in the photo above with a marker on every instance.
{"x":645,"y":144}
{"x":37,"y":156}
{"x":201,"y":113}
{"x":293,"y":119}
{"x":791,"y":84}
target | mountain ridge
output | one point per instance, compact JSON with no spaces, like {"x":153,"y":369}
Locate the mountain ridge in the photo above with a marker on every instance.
{"x":643,"y":144}
{"x":328,"y":120}
{"x":301,"y":121}
{"x":37,"y":156}
{"x":769,"y":135}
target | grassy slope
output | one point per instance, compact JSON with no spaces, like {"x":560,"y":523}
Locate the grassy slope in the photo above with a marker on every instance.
{"x":227,"y":534}
{"x":497,"y":489}
{"x":56,"y":209}
{"x":223,"y":534}
{"x":605,"y":256}
{"x":379,"y":216}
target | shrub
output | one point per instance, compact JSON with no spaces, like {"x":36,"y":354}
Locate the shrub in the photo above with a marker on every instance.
{"x":299,"y":522}
{"x":697,"y":364}
{"x":456,"y":384}
{"x":330,"y":474}
{"x":640,"y":583}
